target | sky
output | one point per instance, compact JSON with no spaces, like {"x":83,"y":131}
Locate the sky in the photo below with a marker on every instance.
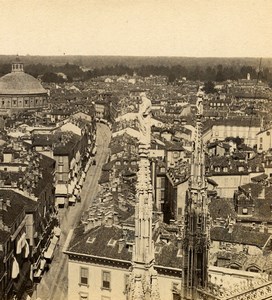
{"x":198,"y":28}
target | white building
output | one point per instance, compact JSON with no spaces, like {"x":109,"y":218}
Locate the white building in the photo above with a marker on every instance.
{"x":100,"y":262}
{"x":242,"y":128}
{"x":264,"y":140}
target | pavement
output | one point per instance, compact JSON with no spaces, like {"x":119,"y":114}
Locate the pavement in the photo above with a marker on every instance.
{"x":54,"y":283}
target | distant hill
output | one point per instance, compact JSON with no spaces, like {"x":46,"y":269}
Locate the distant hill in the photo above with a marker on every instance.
{"x":136,"y":61}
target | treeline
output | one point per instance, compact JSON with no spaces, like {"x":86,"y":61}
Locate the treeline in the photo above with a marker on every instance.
{"x":219,"y":73}
{"x":173,"y":73}
{"x":49,"y":73}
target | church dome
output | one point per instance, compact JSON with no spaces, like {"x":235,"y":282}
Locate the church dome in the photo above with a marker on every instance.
{"x":19,"y":83}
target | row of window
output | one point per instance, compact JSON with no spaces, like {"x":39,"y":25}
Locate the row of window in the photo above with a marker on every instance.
{"x":20,"y":102}
{"x":217,"y":104}
{"x":105,"y":282}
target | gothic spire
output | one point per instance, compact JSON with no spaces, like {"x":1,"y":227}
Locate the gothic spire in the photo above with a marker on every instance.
{"x":143,"y":279}
{"x":197,"y":164}
{"x":196,"y":219}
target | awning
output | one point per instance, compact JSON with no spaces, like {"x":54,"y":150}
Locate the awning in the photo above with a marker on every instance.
{"x":70,"y":188}
{"x":57,"y":231}
{"x":49,"y":252}
{"x":81,"y":181}
{"x":72,"y":199}
{"x":38,"y":273}
{"x":61,"y":189}
{"x":26,"y":249}
{"x":42,"y":264}
{"x":15,"y":269}
{"x":94,"y":150}
{"x":60,"y":200}
{"x":21,"y":243}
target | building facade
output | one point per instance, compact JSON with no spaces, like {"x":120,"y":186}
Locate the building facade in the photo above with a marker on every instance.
{"x":20,"y":91}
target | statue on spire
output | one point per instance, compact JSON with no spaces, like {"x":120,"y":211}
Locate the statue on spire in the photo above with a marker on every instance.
{"x":144,"y":119}
{"x":199,"y":103}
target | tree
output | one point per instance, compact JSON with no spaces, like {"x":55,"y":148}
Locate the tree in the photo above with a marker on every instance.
{"x":209,"y":87}
{"x":52,"y":77}
{"x":171,"y":77}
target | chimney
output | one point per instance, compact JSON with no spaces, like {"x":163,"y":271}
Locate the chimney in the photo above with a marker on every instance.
{"x":261,"y":228}
{"x":88,"y":225}
{"x":115,"y":219}
{"x":172,"y":222}
{"x":262,"y":193}
{"x":98,"y":221}
{"x":121,"y":245}
{"x":4,"y":205}
{"x":1,"y":220}
{"x":8,"y":202}
{"x":109,"y":221}
{"x":1,"y":203}
{"x":230,"y":227}
{"x":179,"y":240}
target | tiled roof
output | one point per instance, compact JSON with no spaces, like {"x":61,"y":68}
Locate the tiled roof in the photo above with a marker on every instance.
{"x":240,"y":235}
{"x":4,"y":235}
{"x":43,"y":139}
{"x":221,"y":208}
{"x":255,"y":189}
{"x":105,"y":177}
{"x":14,"y":210}
{"x":28,"y":204}
{"x":116,"y":149}
{"x":172,"y":146}
{"x":166,"y":256}
{"x":67,"y":145}
{"x":239,"y":122}
{"x":227,"y":165}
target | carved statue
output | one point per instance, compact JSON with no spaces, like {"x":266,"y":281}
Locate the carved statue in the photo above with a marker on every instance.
{"x":144,"y":117}
{"x":199,"y":104}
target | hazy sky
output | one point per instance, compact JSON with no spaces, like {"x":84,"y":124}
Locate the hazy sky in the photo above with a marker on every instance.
{"x":138,"y":27}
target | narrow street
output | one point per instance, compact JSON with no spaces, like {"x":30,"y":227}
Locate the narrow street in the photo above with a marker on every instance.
{"x":54,"y":283}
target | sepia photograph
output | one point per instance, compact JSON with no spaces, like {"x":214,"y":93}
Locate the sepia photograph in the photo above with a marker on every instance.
{"x":135,"y":150}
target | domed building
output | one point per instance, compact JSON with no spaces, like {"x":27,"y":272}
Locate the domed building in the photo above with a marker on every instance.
{"x":21,"y":91}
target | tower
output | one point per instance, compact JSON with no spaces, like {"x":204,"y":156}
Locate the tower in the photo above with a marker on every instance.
{"x":143,"y":280}
{"x":196,"y":220}
{"x":17,"y":66}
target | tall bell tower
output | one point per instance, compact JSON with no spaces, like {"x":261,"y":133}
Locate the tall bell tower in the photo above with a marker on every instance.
{"x":195,"y":225}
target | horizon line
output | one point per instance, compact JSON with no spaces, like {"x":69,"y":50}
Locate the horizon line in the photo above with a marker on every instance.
{"x":151,"y":56}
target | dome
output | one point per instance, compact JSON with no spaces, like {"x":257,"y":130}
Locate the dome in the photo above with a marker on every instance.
{"x":20,"y":83}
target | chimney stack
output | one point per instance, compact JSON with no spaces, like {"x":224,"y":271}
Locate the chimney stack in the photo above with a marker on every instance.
{"x":109,"y":221}
{"x":121,"y":245}
{"x":4,"y":205}
{"x":1,"y":220}
{"x":231,"y":225}
{"x":1,"y":203}
{"x":8,"y":202}
{"x":115,"y":218}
